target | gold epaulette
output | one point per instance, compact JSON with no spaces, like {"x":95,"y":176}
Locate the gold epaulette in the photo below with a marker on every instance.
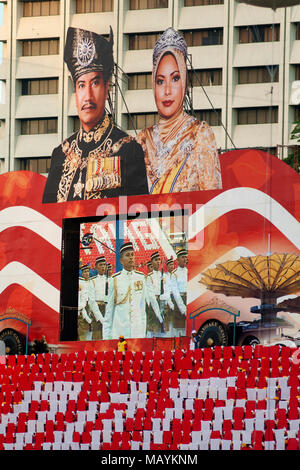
{"x":139,"y":272}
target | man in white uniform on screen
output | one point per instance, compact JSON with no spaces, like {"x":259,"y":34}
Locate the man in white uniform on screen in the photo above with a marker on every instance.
{"x":100,"y":282}
{"x":126,"y":306}
{"x":179,"y":280}
{"x":157,"y":281}
{"x":88,"y":310}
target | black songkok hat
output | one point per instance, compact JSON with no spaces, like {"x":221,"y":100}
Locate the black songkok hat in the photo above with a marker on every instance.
{"x":126,"y":246}
{"x":85,"y":267}
{"x":155,"y":255}
{"x":182,"y":252}
{"x":86,"y":51}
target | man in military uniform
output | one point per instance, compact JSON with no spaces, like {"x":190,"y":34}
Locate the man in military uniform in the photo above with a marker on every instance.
{"x":88,"y":311}
{"x":126,"y":305}
{"x":179,"y":291}
{"x":99,"y":160}
{"x":169,"y":306}
{"x":100,"y":282}
{"x":108,"y":270}
{"x":157,"y":283}
{"x":149,"y":267}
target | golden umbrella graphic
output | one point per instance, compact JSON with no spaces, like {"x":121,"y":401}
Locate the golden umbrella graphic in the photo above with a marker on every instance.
{"x":264,"y":277}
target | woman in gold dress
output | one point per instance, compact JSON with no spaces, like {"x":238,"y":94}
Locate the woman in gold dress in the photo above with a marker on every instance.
{"x":180,"y":151}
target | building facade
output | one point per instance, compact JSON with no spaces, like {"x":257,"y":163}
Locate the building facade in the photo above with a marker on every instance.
{"x":246,"y":60}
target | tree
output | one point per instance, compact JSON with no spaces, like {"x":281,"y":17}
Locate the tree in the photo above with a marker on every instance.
{"x":295,"y":134}
{"x":293,"y":158}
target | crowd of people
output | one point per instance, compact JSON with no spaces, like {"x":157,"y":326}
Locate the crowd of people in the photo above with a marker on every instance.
{"x":131,"y":303}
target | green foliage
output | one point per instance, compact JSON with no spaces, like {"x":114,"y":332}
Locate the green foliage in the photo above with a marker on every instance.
{"x":292,"y":161}
{"x":295,"y":134}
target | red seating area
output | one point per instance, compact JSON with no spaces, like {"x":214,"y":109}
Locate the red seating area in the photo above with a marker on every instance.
{"x":222,"y":398}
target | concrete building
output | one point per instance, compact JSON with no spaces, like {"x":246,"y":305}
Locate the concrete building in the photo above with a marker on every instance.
{"x":246,"y":58}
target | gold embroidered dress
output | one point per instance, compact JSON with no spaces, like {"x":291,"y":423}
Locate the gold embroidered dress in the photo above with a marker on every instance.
{"x":180,"y":156}
{"x":180,"y":151}
{"x":104,"y":162}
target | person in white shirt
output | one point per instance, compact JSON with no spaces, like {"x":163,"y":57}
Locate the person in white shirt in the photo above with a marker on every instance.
{"x":108,"y":269}
{"x":100,"y":282}
{"x":169,"y":308}
{"x":126,"y":305}
{"x":149,"y":267}
{"x":193,"y":340}
{"x":179,"y":285}
{"x":157,"y":281}
{"x":88,"y":309}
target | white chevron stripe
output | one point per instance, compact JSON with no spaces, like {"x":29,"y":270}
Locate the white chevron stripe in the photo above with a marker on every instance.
{"x":22,"y":216}
{"x":18,"y":273}
{"x":163,"y":240}
{"x":249,"y":199}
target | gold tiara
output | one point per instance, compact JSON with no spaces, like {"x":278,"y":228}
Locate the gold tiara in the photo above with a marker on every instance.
{"x":169,"y":39}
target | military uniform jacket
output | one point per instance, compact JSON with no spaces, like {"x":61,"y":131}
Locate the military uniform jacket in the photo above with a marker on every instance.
{"x":100,"y":287}
{"x":87,"y":305}
{"x":179,"y":286}
{"x":104,"y":162}
{"x":126,"y":307}
{"x":179,"y":275}
{"x":161,"y":289}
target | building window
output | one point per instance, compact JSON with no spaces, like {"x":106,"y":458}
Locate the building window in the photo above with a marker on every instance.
{"x":297,"y":33}
{"x":38,"y":126}
{"x":94,"y":6}
{"x":264,"y":115}
{"x":207,"y":77}
{"x":75,"y":123}
{"x":41,"y":8}
{"x":42,"y":86}
{"x":296,"y":112}
{"x":297,"y":71}
{"x":142,"y":41}
{"x":194,"y":3}
{"x":204,"y":37}
{"x":264,"y":74}
{"x":38,"y":165}
{"x":211,"y":116}
{"x":259,"y":33}
{"x":36,"y":47}
{"x":140,"y":121}
{"x":140,"y":81}
{"x":147,"y":4}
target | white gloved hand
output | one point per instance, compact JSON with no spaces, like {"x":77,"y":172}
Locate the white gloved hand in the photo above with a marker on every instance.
{"x":85,"y":316}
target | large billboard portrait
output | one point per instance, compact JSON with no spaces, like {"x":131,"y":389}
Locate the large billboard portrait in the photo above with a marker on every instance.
{"x":99,"y":160}
{"x":137,"y":287}
{"x":178,"y":153}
